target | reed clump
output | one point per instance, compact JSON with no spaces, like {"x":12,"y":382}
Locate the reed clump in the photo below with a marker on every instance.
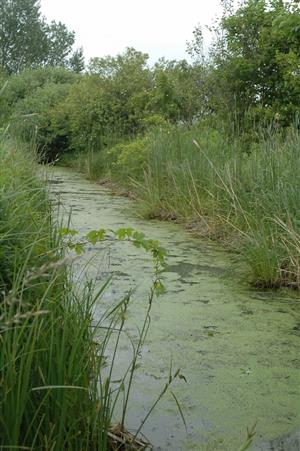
{"x":249,"y":199}
{"x":54,"y":391}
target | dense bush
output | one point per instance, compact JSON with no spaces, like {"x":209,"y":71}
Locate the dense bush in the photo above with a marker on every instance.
{"x":39,"y":118}
{"x":25,"y":84}
{"x":30,"y":104}
{"x":256,"y":63}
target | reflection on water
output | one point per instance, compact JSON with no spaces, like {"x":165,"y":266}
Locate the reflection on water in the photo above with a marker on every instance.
{"x":239,"y":350}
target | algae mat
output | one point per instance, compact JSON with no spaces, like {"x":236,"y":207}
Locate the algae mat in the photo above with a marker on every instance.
{"x":238,"y":349}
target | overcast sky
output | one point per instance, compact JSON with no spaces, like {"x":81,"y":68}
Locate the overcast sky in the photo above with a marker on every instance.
{"x":157,"y":27}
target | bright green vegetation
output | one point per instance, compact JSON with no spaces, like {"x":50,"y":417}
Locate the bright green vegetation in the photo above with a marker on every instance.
{"x":55,"y":369}
{"x":136,"y":125}
{"x":49,"y":363}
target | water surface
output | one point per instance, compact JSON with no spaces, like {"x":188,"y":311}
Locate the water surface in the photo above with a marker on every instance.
{"x":238,"y":349}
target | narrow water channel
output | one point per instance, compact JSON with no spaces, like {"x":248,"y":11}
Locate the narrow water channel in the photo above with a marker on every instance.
{"x":238,"y":349}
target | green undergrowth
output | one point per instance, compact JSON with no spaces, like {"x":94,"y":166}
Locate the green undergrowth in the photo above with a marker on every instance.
{"x":48,"y":362}
{"x":56,"y":364}
{"x":249,"y":200}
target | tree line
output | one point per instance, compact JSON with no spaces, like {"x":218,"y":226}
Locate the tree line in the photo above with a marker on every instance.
{"x":249,"y":78}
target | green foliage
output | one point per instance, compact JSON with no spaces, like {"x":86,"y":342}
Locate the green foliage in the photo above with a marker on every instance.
{"x":126,"y":80}
{"x":90,"y":122}
{"x":59,"y":44}
{"x":249,"y":200}
{"x":28,"y":41}
{"x":23,"y":223}
{"x":257,"y":61}
{"x":122,"y":97}
{"x":128,"y":160}
{"x":23,"y":85}
{"x":109,"y":104}
{"x":154,"y":122}
{"x":39,"y":118}
{"x":3,"y":80}
{"x":76,"y":62}
{"x":31,"y":104}
{"x":195,"y":47}
{"x":251,"y":78}
{"x":57,"y":389}
{"x":23,"y":43}
{"x":178,"y":92}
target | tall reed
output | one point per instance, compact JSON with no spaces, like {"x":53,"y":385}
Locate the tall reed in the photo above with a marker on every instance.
{"x":57,"y":367}
{"x":54,"y":392}
{"x":248,"y":199}
{"x":49,"y":364}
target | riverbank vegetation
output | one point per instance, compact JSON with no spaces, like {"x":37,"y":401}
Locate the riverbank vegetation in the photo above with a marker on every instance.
{"x":213,"y":142}
{"x":49,"y":361}
{"x":43,"y":405}
{"x":56,"y":363}
{"x":250,"y":201}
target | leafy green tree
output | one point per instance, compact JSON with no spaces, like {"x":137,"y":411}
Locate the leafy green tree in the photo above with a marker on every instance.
{"x":195,"y":47}
{"x":178,"y":91}
{"x":90,"y":118}
{"x":22,"y":38}
{"x":127,"y":83}
{"x":257,"y":60}
{"x":76,"y":62}
{"x":60,"y":41}
{"x":27,"y":41}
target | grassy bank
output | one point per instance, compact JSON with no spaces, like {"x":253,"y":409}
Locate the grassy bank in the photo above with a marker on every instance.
{"x":48,"y":362}
{"x":53,"y":392}
{"x":249,"y":200}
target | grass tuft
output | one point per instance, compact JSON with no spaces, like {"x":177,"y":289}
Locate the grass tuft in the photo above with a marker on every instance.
{"x":249,"y":200}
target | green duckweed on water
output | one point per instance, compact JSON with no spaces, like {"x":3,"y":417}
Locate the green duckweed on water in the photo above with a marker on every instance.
{"x":238,"y":349}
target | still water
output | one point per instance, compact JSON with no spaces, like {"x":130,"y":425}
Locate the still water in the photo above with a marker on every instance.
{"x":238,"y":349}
